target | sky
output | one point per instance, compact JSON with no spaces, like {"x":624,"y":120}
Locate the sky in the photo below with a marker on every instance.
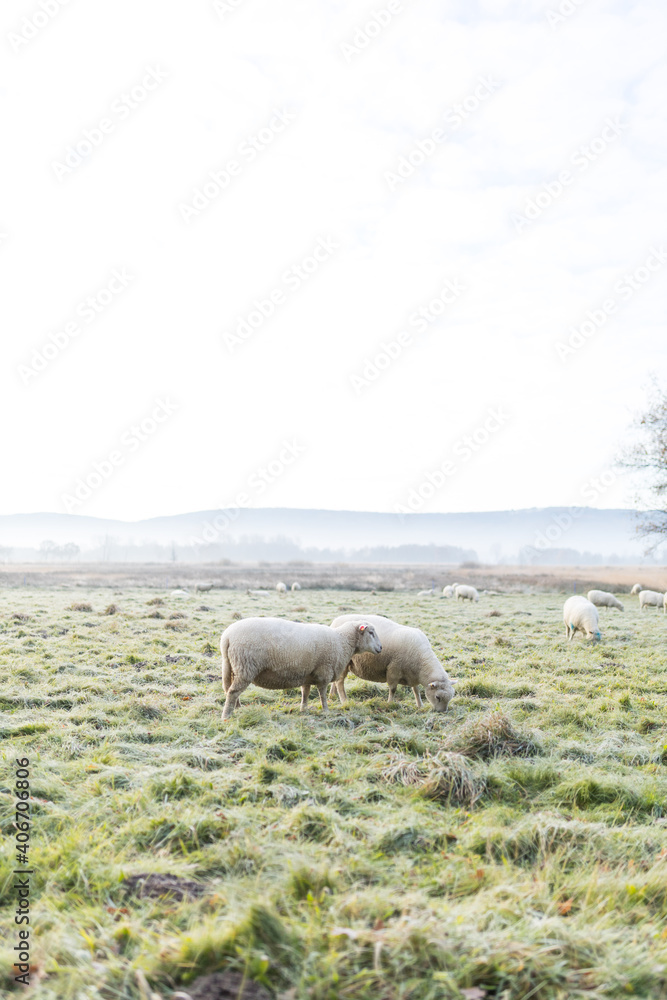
{"x":391,"y":256}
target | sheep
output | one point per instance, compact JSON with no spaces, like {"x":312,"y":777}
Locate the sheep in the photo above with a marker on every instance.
{"x":406,"y":658}
{"x":278,"y":654}
{"x":636,"y":589}
{"x":258,"y":593}
{"x":650,"y":599}
{"x":448,"y":591}
{"x":281,"y":587}
{"x":580,"y":615}
{"x":295,"y":586}
{"x":203,"y":588}
{"x":465,"y":593}
{"x":603,"y":599}
{"x":426,"y":593}
{"x":180,"y":593}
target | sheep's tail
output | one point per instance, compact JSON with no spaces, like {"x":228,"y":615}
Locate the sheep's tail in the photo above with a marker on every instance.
{"x":227,"y":674}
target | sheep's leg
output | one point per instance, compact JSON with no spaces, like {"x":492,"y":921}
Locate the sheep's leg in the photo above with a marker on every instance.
{"x":232,"y":700}
{"x":305,"y":691}
{"x":339,"y":686}
{"x":392,"y":692}
{"x":417,"y":697}
{"x":322,"y":688}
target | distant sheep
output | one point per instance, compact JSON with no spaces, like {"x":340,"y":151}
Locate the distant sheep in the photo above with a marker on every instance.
{"x":465,"y":593}
{"x":448,"y":591}
{"x":281,"y":587}
{"x":651,"y":599}
{"x":636,"y":589}
{"x":258,"y":593}
{"x":603,"y":599}
{"x":296,"y":586}
{"x":277,"y":654}
{"x":203,"y":588}
{"x":406,"y":658}
{"x":426,"y":593}
{"x":180,"y":593}
{"x":580,"y":615}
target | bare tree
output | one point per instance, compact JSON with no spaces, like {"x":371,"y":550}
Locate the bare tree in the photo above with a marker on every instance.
{"x":69,"y":550}
{"x":48,"y":548}
{"x":646,"y":457}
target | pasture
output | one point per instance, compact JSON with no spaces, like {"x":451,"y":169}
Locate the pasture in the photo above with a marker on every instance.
{"x":514,"y":847}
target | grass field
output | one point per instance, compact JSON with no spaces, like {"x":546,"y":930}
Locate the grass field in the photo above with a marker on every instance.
{"x":515,"y":847}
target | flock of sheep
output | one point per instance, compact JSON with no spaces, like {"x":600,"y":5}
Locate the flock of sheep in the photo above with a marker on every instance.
{"x":279,"y":655}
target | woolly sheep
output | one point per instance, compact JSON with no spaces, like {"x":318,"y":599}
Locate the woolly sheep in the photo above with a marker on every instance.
{"x":203,"y":588}
{"x":448,"y":591}
{"x":580,"y":615}
{"x":636,"y":589}
{"x":426,"y":593}
{"x":277,"y":654}
{"x":603,"y":599}
{"x":258,"y":593}
{"x":180,"y":593}
{"x":465,"y":593}
{"x":296,"y":586}
{"x":650,"y":599}
{"x":281,"y":587}
{"x":406,"y":658}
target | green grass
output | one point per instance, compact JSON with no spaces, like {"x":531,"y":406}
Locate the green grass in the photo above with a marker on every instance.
{"x":517,"y":843}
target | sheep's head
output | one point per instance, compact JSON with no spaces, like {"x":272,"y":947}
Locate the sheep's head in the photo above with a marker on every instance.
{"x":440,"y":693}
{"x":367,"y":639}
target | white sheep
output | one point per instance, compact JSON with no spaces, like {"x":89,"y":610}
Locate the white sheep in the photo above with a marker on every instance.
{"x":426,"y":593}
{"x":278,"y":655}
{"x":448,"y":591}
{"x":650,"y":599}
{"x":580,"y":615}
{"x":636,"y":589}
{"x":406,"y":658}
{"x":603,"y":599}
{"x":465,"y":593}
{"x":281,"y":587}
{"x":203,"y":588}
{"x":296,"y":586}
{"x":180,"y":593}
{"x":258,"y":593}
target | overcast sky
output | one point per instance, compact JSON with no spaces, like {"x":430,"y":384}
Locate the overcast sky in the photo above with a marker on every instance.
{"x":335,"y":254}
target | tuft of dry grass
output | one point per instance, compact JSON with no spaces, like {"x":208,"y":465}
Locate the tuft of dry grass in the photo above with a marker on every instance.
{"x":80,"y":606}
{"x":492,"y":735}
{"x":111,"y":609}
{"x":446,"y":777}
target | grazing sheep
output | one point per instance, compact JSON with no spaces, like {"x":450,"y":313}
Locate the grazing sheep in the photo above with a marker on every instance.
{"x":426,"y":593}
{"x":448,"y":591}
{"x":281,"y":587}
{"x":650,"y":599}
{"x":603,"y":599}
{"x":636,"y":589}
{"x":258,"y":593}
{"x":180,"y":593}
{"x":296,"y":586}
{"x":406,"y":658}
{"x":203,"y":588}
{"x":464,"y":593}
{"x":278,"y":654}
{"x":580,"y":615}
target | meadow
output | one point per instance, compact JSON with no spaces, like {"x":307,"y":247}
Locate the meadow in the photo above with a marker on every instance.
{"x":512,"y":848}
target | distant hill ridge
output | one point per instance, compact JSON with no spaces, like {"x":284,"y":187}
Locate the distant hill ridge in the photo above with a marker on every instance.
{"x":564,"y":535}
